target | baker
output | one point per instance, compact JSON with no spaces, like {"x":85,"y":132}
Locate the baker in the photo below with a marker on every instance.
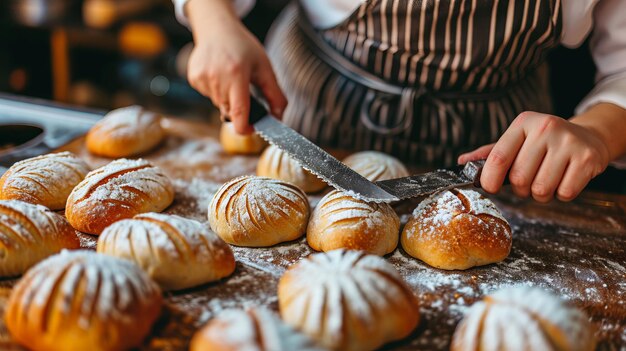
{"x":426,"y":80}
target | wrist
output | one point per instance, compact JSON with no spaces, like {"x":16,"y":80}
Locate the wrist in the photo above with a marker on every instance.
{"x":608,"y":123}
{"x":210,"y":17}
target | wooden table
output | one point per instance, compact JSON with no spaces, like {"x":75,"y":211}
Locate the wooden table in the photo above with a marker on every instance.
{"x":577,"y":250}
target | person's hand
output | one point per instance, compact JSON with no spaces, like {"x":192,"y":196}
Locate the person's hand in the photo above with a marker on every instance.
{"x":226,"y":59}
{"x":544,"y":156}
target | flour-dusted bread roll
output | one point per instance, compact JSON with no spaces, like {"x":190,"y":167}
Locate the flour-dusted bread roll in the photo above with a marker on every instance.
{"x":119,"y":190}
{"x":274,"y":163}
{"x":343,"y":222}
{"x":457,"y":229}
{"x":125,"y":132}
{"x":258,"y":211}
{"x":44,"y":180}
{"x":80,"y":300}
{"x":235,"y":143}
{"x":375,"y":165}
{"x":347,"y":300}
{"x":523,"y":318}
{"x":256,"y":329}
{"x":28,"y":234}
{"x":177,"y":253}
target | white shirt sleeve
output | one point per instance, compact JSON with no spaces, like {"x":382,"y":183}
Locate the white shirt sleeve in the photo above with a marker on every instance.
{"x":242,"y":7}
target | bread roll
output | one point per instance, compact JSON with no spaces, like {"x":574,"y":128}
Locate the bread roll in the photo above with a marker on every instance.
{"x":80,"y":300}
{"x":119,"y":190}
{"x":523,"y":318}
{"x":28,"y":234}
{"x":457,"y":229}
{"x":274,"y":163}
{"x":125,"y":132}
{"x":44,"y":180}
{"x":235,"y":143}
{"x":257,"y":211}
{"x":347,"y":300}
{"x":375,"y":165}
{"x":177,"y":253}
{"x":256,"y":329}
{"x":343,"y":222}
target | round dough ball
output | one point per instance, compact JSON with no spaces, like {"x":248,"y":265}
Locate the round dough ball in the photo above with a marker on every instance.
{"x":256,"y":329}
{"x":28,"y":234}
{"x":375,"y":165}
{"x":43,"y":180}
{"x":274,"y":163}
{"x":257,"y":211}
{"x":457,"y":229}
{"x":80,"y":300}
{"x":125,"y":132}
{"x":347,"y":300}
{"x":119,"y":190}
{"x":235,"y":143}
{"x":343,"y":222}
{"x":177,"y":253}
{"x":523,"y":318}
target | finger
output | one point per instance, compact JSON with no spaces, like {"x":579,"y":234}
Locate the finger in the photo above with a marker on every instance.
{"x":500,"y":159}
{"x":239,"y":101}
{"x":549,"y":176}
{"x":478,"y":154}
{"x":574,"y":181}
{"x":265,"y":80}
{"x":526,"y":166}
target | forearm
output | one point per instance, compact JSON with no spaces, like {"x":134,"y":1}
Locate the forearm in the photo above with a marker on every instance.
{"x":208,"y":18}
{"x":608,"y":122}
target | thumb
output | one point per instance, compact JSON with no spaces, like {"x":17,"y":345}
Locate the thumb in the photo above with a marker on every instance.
{"x":478,"y":154}
{"x":265,"y":80}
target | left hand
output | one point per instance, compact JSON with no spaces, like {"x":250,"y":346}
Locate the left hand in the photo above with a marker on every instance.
{"x":543,"y":155}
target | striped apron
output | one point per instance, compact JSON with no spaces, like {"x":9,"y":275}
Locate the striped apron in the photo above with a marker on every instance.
{"x":423,"y":80}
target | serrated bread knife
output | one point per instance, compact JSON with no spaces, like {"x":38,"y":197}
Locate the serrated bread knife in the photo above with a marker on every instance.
{"x":341,"y":177}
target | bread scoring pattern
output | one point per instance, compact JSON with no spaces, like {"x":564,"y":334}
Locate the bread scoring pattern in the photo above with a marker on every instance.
{"x":258,"y":211}
{"x":119,"y":190}
{"x":376,"y":166}
{"x":347,"y":300}
{"x":44,"y":180}
{"x":277,"y":164}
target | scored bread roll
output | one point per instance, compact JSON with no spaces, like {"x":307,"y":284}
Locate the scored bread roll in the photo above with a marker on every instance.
{"x":457,"y":229}
{"x":347,"y":300}
{"x":235,"y":143}
{"x":44,"y":180}
{"x":343,"y":222}
{"x":257,"y":211}
{"x":376,"y":166}
{"x":125,"y":132}
{"x":28,"y":234}
{"x":256,"y":329}
{"x":119,"y":190}
{"x":177,"y":253}
{"x":275,"y":163}
{"x":80,"y":300}
{"x":523,"y":318}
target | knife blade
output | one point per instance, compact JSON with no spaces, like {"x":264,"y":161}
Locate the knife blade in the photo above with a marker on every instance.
{"x":436,"y":181}
{"x":313,"y":158}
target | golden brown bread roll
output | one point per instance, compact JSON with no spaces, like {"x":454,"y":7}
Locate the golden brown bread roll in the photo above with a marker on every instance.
{"x":177,"y":253}
{"x":256,"y":329}
{"x":347,"y":300}
{"x":125,"y":132}
{"x":80,"y":300}
{"x":44,"y":180}
{"x":28,"y":234}
{"x":343,"y":222}
{"x":257,"y":211}
{"x":119,"y":190}
{"x":375,"y":165}
{"x":523,"y":318}
{"x":457,"y":229}
{"x":274,"y":163}
{"x":235,"y":143}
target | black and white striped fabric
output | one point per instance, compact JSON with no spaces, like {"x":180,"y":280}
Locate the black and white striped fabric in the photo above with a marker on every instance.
{"x":454,"y":74}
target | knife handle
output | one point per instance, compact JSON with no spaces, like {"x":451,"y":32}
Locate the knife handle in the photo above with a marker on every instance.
{"x":473,"y":170}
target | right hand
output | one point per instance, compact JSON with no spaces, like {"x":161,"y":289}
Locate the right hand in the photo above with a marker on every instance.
{"x":226,"y":58}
